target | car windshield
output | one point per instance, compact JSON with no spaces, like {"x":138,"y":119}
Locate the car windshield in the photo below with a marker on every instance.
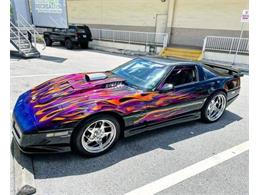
{"x":142,"y":73}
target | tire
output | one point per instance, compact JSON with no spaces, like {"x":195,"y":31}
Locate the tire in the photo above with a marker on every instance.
{"x":48,"y":41}
{"x":213,"y":111}
{"x":86,"y":141}
{"x":69,"y":44}
{"x":84,"y":45}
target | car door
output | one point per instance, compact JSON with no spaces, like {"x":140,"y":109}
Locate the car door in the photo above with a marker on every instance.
{"x":55,"y":34}
{"x":187,"y":95}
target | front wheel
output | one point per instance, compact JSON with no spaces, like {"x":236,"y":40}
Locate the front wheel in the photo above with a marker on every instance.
{"x":214,"y":107}
{"x":96,"y":136}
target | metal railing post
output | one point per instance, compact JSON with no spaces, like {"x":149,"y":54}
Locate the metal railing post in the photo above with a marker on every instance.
{"x":113,"y":34}
{"x":204,"y":44}
{"x":146,"y":40}
{"x":34,"y":39}
{"x":129,"y":38}
{"x":230,"y":50}
{"x":19,"y":41}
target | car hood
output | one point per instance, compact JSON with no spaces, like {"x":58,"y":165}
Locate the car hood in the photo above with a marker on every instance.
{"x":72,"y":97}
{"x":73,"y":85}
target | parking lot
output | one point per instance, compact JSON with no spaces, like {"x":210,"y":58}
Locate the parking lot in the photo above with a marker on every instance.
{"x":141,"y":159}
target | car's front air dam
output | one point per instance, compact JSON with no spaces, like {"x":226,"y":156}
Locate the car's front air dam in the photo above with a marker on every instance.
{"x":42,"y":142}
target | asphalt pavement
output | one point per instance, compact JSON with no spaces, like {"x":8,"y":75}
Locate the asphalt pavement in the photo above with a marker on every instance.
{"x":141,"y":159}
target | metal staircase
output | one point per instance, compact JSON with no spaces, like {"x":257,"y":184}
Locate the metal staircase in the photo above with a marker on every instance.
{"x":24,"y":38}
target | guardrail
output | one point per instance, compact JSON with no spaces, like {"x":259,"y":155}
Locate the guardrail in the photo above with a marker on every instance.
{"x":226,"y":44}
{"x":131,"y":37}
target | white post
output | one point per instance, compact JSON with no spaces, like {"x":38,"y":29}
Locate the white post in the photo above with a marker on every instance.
{"x":230,"y":50}
{"x":204,"y":44}
{"x":241,"y":34}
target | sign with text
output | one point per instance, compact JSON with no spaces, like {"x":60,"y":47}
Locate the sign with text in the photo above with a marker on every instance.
{"x":50,"y":13}
{"x":245,"y":16}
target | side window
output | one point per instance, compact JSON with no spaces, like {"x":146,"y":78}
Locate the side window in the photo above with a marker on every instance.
{"x":208,"y":74}
{"x":183,"y":75}
{"x":72,"y":29}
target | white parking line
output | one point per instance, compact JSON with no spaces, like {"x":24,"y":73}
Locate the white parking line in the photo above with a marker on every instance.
{"x":38,"y":75}
{"x":181,"y":175}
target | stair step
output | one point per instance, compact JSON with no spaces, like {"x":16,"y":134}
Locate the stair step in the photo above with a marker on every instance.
{"x":182,"y":50}
{"x":184,"y":53}
{"x":19,"y":38}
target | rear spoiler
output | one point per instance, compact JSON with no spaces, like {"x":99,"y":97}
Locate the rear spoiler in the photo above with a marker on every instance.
{"x":231,"y":71}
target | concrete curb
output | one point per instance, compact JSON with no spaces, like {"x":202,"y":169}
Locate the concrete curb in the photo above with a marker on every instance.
{"x":23,"y":170}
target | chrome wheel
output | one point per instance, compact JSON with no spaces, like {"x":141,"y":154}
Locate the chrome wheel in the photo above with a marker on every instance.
{"x":216,"y":107}
{"x":98,"y":136}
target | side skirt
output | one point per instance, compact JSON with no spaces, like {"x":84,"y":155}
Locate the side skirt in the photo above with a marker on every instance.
{"x":154,"y":126}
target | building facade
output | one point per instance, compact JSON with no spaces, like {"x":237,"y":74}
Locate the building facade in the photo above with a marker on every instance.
{"x":187,"y":22}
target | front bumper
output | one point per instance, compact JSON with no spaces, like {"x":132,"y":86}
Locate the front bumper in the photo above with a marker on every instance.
{"x":53,"y":141}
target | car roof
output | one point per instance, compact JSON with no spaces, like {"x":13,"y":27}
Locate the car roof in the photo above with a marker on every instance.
{"x":168,"y":62}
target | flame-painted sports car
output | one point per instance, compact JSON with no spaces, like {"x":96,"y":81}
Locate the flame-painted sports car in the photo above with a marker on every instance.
{"x":88,"y":112}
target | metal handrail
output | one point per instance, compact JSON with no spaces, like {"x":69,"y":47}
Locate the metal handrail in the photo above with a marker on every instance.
{"x":19,"y":39}
{"x":130,"y":36}
{"x":226,"y":44}
{"x":30,"y":28}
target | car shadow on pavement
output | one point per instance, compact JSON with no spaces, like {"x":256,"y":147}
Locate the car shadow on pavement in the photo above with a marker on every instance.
{"x":68,"y":164}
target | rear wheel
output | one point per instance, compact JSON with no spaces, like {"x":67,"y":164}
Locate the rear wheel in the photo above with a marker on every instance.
{"x":48,"y":41}
{"x":84,"y":45}
{"x":96,"y":136}
{"x":69,"y":44}
{"x":214,"y":107}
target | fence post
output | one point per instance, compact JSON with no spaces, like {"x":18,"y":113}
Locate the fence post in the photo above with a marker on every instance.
{"x":129,"y":37}
{"x":231,"y":46}
{"x":113,"y":36}
{"x":146,"y":39}
{"x":204,"y":44}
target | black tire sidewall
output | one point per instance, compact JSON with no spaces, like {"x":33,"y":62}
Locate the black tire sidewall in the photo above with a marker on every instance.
{"x":68,"y":44}
{"x":48,"y":41}
{"x":84,"y":45}
{"x":76,"y":136}
{"x":204,"y":116}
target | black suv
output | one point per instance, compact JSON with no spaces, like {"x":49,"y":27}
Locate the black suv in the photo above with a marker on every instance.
{"x":70,"y":37}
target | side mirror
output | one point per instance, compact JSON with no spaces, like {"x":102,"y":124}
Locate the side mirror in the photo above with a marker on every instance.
{"x":167,"y":87}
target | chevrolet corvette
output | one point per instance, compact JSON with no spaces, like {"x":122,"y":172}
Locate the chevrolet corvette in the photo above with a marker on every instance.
{"x":89,"y":112}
